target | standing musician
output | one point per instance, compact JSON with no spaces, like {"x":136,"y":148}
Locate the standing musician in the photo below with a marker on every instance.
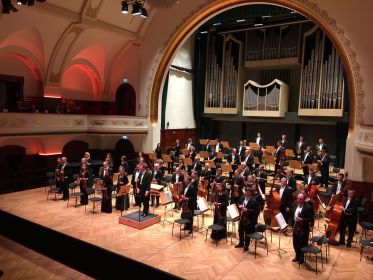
{"x":284,"y":141}
{"x":191,"y":153}
{"x":349,"y":218}
{"x":259,"y":197}
{"x":122,"y":202}
{"x":87,"y":156}
{"x":279,"y":156}
{"x":220,"y":202}
{"x":57,"y":174}
{"x":241,"y":151}
{"x":311,"y":179}
{"x":307,"y":159}
{"x":134,"y":181}
{"x":189,"y":202}
{"x":259,"y":154}
{"x":177,"y":177}
{"x":261,"y":177}
{"x":290,"y":180}
{"x":181,"y":165}
{"x":189,"y":144}
{"x":236,"y":188}
{"x":285,"y":194}
{"x":158,"y":151}
{"x":157,"y":179}
{"x":340,"y":186}
{"x":177,"y":149}
{"x":324,"y":162}
{"x":196,"y":166}
{"x":249,"y":159}
{"x":106,"y":174}
{"x":65,"y":178}
{"x":250,"y":209}
{"x":299,"y":148}
{"x":219,"y":146}
{"x":123,"y":163}
{"x":259,"y":139}
{"x":84,"y":176}
{"x":208,"y":145}
{"x":212,"y":154}
{"x":321,"y":145}
{"x":302,"y":216}
{"x":233,"y":160}
{"x":219,"y":178}
{"x":143,"y":188}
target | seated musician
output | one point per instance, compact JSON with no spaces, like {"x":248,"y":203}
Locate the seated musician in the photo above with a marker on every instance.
{"x":302,"y":216}
{"x":121,"y":202}
{"x":177,"y":177}
{"x":189,"y":202}
{"x":157,"y":179}
{"x":220,"y":201}
{"x":250,"y":209}
{"x":261,"y":177}
{"x":348,"y":218}
{"x":236,"y":191}
{"x":241,"y":151}
{"x":307,"y":159}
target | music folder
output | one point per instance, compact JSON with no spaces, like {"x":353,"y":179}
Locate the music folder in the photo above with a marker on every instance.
{"x":166,"y":197}
{"x":281,"y":221}
{"x":233,"y":211}
{"x":202,"y":204}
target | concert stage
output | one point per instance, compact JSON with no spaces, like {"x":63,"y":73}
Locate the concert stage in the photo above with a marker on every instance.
{"x":97,"y":245}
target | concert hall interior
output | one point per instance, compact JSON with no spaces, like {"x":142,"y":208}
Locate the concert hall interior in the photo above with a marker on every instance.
{"x":195,"y":139}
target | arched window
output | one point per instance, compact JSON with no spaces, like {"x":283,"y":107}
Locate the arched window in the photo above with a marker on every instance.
{"x":125,"y":100}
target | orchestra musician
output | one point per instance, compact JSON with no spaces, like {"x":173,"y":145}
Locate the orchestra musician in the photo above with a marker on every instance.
{"x":349,"y":218}
{"x":189,"y":201}
{"x":178,"y":148}
{"x":324,"y":162}
{"x":181,"y":165}
{"x":250,"y":209}
{"x":157,"y":179}
{"x":285,"y":195}
{"x":259,"y":197}
{"x":259,"y":154}
{"x":212,"y":154}
{"x":208,"y":145}
{"x":191,"y":153}
{"x":189,"y":144}
{"x":290,"y":180}
{"x":311,"y":179}
{"x":121,"y":202}
{"x":220,"y":202}
{"x":241,"y":151}
{"x":233,"y":160}
{"x":302,"y":216}
{"x":158,"y":151}
{"x":177,"y":177}
{"x":134,"y":181}
{"x":261,"y":177}
{"x":307,"y":159}
{"x":219,"y":178}
{"x":140,"y":158}
{"x":57,"y":174}
{"x":123,"y":163}
{"x":109,"y":159}
{"x":340,"y":186}
{"x":106,"y":174}
{"x":236,"y":191}
{"x":284,"y":141}
{"x":321,"y":145}
{"x":299,"y":148}
{"x":249,"y":159}
{"x":65,"y":177}
{"x":279,"y":156}
{"x":84,"y":176}
{"x":143,"y":188}
{"x":88,"y":161}
{"x":196,"y":166}
{"x":259,"y":139}
{"x":218,"y":147}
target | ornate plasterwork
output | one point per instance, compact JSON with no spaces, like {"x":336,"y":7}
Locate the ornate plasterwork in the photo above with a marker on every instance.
{"x":162,"y":58}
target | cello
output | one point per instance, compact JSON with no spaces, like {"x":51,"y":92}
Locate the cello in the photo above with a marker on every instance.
{"x":273,"y":204}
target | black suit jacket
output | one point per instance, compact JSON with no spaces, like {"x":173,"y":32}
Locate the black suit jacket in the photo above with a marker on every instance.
{"x":145,"y":180}
{"x":302,"y":147}
{"x":285,"y":144}
{"x":191,"y":194}
{"x":308,"y":159}
{"x":324,"y":166}
{"x":306,"y":214}
{"x":253,"y":208}
{"x":285,"y":199}
{"x":314,"y":178}
{"x":351,"y":210}
{"x":260,"y":141}
{"x":173,"y":178}
{"x":177,"y":150}
{"x":242,"y":153}
{"x":196,"y":167}
{"x":343,"y":188}
{"x":158,"y":176}
{"x":235,"y":161}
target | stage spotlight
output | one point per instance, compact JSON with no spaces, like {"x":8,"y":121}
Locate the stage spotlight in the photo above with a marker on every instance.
{"x":136,"y":9}
{"x":124,"y":7}
{"x":144,"y":13}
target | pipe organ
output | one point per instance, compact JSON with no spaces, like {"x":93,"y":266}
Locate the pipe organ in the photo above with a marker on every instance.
{"x":269,"y":100}
{"x":222,"y":80}
{"x":322,"y":77}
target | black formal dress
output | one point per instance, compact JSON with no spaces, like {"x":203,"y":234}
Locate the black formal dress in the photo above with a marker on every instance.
{"x":84,"y":184}
{"x":122,"y":202}
{"x":107,"y":177}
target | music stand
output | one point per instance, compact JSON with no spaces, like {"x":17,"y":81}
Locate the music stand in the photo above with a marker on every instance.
{"x":211,"y":163}
{"x":226,"y":168}
{"x":166,"y":158}
{"x":295,"y":164}
{"x":289,"y":153}
{"x":219,"y":155}
{"x":166,"y":199}
{"x":282,"y":225}
{"x":203,"y":154}
{"x":202,"y":141}
{"x":124,"y":191}
{"x":188,"y":161}
{"x":185,"y":152}
{"x":225,"y":144}
{"x":152,"y":156}
{"x":155,"y":191}
{"x":203,"y":206}
{"x":254,"y":146}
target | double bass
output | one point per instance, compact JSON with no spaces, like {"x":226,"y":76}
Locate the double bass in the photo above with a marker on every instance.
{"x":203,"y":188}
{"x":313,"y":195}
{"x":273,"y":204}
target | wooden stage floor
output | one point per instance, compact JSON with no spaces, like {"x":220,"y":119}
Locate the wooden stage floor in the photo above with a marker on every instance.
{"x":190,"y":258}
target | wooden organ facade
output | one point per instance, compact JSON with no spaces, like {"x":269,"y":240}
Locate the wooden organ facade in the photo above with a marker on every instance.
{"x":301,"y":49}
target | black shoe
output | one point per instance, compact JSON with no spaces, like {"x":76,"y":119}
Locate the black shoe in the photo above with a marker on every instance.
{"x":239,"y":245}
{"x":246,"y":249}
{"x":301,"y":261}
{"x":348,"y":244}
{"x":295,"y":260}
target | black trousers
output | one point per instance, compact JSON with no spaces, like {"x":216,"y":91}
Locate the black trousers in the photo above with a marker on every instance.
{"x":299,"y":241}
{"x":243,"y":231}
{"x":65,"y":189}
{"x":145,"y":202}
{"x":350,"y":223}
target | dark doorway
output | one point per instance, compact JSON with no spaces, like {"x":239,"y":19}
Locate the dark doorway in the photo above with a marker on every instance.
{"x":125,"y":100}
{"x":124,"y":147}
{"x":11,"y":91}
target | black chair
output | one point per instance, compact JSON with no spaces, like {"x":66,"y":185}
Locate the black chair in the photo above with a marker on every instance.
{"x":50,"y":175}
{"x":72,"y":187}
{"x":365,"y":243}
{"x":181,"y":222}
{"x":366,"y":226}
{"x":258,"y":235}
{"x":322,"y":241}
{"x":217,"y":228}
{"x":91,"y":197}
{"x":233,"y":223}
{"x":197,"y":213}
{"x":309,"y":249}
{"x":53,"y":188}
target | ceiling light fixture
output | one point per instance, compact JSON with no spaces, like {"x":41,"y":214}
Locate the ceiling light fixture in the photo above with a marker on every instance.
{"x":138,"y":8}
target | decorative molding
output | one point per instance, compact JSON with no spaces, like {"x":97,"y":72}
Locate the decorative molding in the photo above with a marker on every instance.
{"x":21,"y":123}
{"x":364,"y":142}
{"x":93,"y":11}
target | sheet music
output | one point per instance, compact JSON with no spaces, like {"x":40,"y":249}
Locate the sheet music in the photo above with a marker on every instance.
{"x":202,"y":204}
{"x":233,"y":211}
{"x":166,"y":197}
{"x":281,"y":221}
